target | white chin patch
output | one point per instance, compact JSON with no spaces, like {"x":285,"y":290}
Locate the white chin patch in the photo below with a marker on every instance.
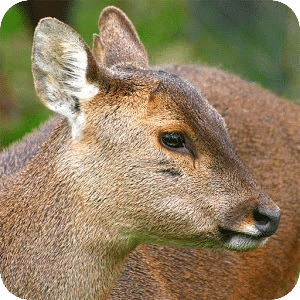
{"x":244,"y":242}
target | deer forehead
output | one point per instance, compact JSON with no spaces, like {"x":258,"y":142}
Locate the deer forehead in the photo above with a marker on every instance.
{"x":158,"y":101}
{"x":151,"y":94}
{"x":175,"y":105}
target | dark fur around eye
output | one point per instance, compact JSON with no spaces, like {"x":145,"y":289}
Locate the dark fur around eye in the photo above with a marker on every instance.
{"x":171,"y":172}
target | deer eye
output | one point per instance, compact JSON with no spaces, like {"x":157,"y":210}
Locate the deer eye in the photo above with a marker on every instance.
{"x":173,"y":140}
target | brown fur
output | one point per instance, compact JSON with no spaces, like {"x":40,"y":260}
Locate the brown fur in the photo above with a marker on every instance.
{"x":79,"y":195}
{"x":265,"y":132}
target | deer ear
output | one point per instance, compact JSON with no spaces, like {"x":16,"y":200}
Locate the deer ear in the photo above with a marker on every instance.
{"x":118,"y":42}
{"x":64,"y":70}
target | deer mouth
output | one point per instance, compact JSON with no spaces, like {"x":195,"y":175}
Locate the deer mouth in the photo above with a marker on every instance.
{"x":234,"y":240}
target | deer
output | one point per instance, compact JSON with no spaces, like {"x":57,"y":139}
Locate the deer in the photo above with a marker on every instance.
{"x":165,"y":182}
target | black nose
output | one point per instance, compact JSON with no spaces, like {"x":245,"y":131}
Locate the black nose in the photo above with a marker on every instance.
{"x":267,"y":220}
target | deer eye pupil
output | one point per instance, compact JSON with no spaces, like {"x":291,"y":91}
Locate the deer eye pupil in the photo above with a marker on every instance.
{"x":173,"y":139}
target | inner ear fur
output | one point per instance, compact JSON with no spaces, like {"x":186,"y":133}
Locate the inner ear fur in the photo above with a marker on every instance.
{"x":63,"y":67}
{"x":118,"y":42}
{"x":64,"y":70}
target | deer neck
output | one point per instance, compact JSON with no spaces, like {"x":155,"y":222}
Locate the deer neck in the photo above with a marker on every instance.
{"x":62,"y":236}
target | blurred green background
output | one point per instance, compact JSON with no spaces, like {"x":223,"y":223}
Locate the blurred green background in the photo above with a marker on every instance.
{"x":258,"y":40}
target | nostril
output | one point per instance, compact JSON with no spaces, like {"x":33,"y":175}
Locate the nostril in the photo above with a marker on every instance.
{"x":267,"y":220}
{"x":260,"y":218}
